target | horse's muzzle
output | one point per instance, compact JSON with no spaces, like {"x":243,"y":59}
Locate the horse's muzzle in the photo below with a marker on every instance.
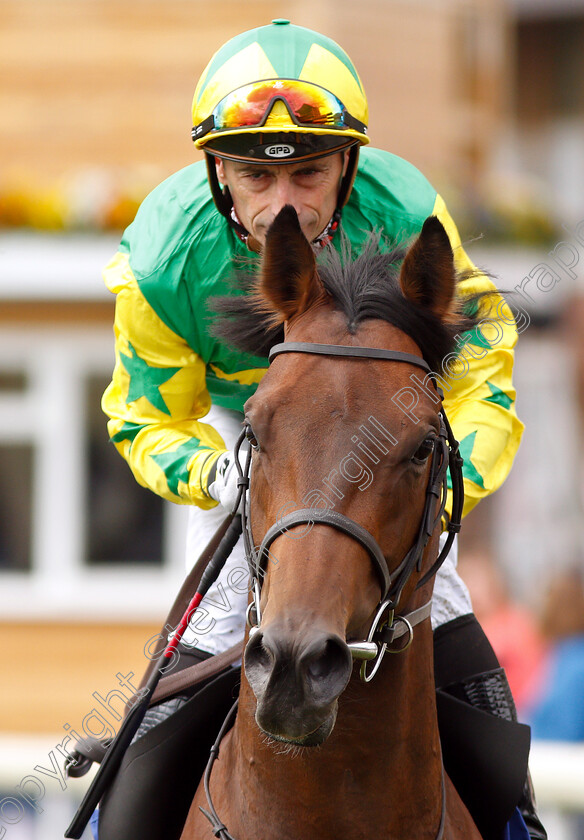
{"x":297,"y":679}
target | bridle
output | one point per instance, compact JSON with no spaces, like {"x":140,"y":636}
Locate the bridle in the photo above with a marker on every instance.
{"x":385,"y":632}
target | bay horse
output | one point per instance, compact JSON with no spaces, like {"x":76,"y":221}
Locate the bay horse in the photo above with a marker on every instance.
{"x":344,"y":507}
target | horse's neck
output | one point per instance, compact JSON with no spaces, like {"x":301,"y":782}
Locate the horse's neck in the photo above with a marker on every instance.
{"x":383,"y":756}
{"x":394,"y":716}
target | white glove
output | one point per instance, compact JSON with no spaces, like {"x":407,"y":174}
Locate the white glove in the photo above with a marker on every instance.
{"x":224,"y":489}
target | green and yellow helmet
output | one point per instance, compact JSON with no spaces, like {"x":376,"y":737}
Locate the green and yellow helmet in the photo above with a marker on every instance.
{"x":280,"y":93}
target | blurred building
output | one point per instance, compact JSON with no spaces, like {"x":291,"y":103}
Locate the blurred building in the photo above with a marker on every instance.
{"x":92,"y":86}
{"x":545,"y":138}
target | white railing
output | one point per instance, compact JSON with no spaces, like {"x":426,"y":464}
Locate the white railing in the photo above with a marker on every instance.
{"x":557,"y":770}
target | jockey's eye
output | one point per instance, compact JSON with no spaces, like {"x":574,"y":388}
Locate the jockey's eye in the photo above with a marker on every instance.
{"x":250,"y":436}
{"x":424,"y":450}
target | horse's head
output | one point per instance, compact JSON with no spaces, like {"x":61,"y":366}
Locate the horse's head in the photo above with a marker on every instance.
{"x":340,"y":434}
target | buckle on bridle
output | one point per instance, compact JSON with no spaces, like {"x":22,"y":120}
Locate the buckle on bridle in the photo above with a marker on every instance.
{"x":391,"y":634}
{"x":384,"y":634}
{"x":253,"y":615}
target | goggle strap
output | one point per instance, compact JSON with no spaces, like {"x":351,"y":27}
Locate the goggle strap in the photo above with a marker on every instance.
{"x":354,"y":123}
{"x":203,"y":128}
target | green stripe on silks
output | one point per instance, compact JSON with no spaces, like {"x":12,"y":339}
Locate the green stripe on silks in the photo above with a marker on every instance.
{"x":127,"y":432}
{"x":498,"y":397}
{"x":476,"y":337}
{"x":174,"y":464}
{"x":469,"y":470}
{"x":228,"y":393}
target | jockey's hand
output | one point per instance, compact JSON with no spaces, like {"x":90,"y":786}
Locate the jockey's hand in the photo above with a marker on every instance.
{"x":224,"y":488}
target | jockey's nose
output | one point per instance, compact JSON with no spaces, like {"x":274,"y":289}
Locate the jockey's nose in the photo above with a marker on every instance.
{"x":283,"y":192}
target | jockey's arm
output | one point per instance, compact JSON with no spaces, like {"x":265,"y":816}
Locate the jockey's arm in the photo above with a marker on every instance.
{"x":157,"y":395}
{"x":478,"y":390}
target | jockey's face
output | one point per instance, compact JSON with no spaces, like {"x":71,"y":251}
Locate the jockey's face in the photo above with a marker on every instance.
{"x":260,"y":191}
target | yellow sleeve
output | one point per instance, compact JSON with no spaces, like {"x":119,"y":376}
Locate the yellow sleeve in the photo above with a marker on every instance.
{"x":157,"y":395}
{"x":479,"y":393}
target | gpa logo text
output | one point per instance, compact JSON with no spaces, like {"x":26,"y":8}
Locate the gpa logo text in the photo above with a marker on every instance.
{"x":279,"y":151}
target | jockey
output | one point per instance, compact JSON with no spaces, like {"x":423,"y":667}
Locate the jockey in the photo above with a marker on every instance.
{"x":281,"y":116}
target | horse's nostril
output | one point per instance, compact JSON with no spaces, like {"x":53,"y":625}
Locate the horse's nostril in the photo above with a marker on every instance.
{"x":318,"y":667}
{"x":256,"y":650}
{"x":262,"y":657}
{"x":257,"y":662}
{"x":327,"y":666}
{"x":325,"y":661}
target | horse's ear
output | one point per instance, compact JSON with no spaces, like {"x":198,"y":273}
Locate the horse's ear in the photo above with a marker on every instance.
{"x":428,"y":275}
{"x":288,"y":281}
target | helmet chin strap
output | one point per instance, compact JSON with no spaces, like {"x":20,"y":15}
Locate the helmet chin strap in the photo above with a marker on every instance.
{"x":250,"y":240}
{"x":224,"y":203}
{"x":222,"y":198}
{"x":348,"y":178}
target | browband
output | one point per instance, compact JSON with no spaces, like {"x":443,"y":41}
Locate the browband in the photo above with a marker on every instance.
{"x":345,"y":350}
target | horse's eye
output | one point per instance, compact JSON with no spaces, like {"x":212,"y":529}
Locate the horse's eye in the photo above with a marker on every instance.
{"x":250,"y":436}
{"x":424,"y":451}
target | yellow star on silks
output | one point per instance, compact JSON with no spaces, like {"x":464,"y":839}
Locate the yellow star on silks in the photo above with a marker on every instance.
{"x":145,"y":380}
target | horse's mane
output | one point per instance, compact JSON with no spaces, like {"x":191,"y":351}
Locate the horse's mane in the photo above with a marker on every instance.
{"x":362,"y":288}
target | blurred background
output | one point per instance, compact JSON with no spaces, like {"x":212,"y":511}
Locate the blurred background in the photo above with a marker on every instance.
{"x":486,"y":97}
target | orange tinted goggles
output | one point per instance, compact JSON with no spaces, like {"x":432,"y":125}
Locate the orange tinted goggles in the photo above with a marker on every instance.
{"x":249,"y":106}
